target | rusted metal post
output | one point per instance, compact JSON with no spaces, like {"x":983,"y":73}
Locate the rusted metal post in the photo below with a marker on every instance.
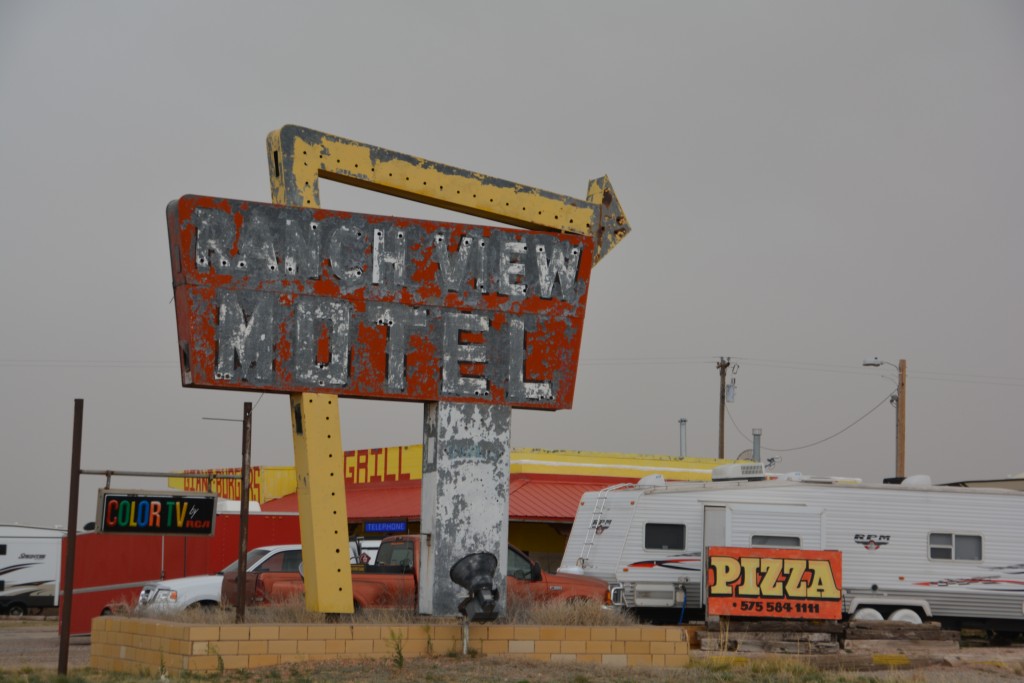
{"x":69,"y":556}
{"x":243,"y":512}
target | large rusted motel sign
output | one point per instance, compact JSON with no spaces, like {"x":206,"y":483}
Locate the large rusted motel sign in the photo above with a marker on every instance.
{"x":469,"y":320}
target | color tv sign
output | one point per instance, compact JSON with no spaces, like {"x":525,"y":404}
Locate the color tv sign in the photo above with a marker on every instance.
{"x":290,"y":300}
{"x":144,"y":512}
{"x":775,"y":583}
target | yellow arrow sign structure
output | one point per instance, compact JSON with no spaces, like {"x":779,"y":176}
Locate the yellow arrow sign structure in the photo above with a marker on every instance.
{"x":299,"y":157}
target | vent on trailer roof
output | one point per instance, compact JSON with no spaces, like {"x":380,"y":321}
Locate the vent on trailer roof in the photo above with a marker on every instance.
{"x":739,"y":472}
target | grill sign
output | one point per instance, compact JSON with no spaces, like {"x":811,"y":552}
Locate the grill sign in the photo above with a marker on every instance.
{"x":143,"y":512}
{"x":289,"y":300}
{"x":767,"y":582}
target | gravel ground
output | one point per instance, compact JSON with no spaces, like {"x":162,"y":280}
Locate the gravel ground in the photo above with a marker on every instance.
{"x":35,"y":642}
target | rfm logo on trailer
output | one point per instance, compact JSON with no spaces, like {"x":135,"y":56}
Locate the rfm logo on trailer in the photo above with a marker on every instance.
{"x":143,"y":512}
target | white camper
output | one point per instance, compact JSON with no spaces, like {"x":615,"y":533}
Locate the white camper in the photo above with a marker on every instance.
{"x":908,"y":550}
{"x":29,"y":568}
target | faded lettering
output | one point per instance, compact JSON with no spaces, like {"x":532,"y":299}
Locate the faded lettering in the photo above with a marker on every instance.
{"x":556,"y":267}
{"x":245,"y":338}
{"x":511,"y":270}
{"x":518,"y":387}
{"x":399,"y":322}
{"x":322,"y":341}
{"x":388,"y":256}
{"x":456,"y":352}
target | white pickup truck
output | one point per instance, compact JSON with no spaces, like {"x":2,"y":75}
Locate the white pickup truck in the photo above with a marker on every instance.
{"x":204,"y":591}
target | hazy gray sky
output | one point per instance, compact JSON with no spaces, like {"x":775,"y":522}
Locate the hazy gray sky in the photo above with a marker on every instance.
{"x":809,"y":183}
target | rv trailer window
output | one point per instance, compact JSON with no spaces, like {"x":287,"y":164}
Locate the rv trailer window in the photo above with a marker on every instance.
{"x":3,"y":548}
{"x":940,"y":546}
{"x":774,"y":541}
{"x":665,"y":536}
{"x":966,"y":547}
{"x":954,"y":547}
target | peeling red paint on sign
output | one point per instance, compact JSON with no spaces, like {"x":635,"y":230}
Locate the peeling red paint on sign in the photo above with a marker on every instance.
{"x":289,"y":300}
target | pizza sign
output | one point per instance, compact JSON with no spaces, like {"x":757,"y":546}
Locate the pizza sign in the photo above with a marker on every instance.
{"x":775,"y":583}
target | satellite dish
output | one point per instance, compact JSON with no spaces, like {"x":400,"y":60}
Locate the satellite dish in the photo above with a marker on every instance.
{"x":746,"y":455}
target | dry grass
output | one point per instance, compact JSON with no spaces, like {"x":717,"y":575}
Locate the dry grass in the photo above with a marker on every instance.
{"x":444,"y":668}
{"x":564,"y":613}
{"x":520,"y":610}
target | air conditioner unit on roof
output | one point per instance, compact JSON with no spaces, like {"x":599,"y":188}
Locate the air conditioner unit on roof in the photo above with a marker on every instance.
{"x":739,"y":472}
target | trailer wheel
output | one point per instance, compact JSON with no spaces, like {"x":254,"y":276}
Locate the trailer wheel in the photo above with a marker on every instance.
{"x":906,"y":616}
{"x":16,"y":610}
{"x":867,"y":614}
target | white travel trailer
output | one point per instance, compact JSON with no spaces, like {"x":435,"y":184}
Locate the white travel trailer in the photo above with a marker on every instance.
{"x":29,"y":568}
{"x":908,"y":550}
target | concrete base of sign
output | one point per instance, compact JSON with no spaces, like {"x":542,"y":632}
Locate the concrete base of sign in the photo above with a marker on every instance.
{"x":466,"y":460}
{"x":148,"y":645}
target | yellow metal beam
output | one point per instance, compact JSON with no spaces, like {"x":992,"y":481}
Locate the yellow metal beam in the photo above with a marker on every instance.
{"x":299,"y":157}
{"x":320,"y":478}
{"x":323,"y":517}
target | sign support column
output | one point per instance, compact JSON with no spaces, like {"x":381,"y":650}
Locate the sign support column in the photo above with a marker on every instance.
{"x":464,"y":503}
{"x":320,"y":484}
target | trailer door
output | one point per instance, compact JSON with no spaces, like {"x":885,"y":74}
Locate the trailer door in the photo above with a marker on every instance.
{"x":714,"y":535}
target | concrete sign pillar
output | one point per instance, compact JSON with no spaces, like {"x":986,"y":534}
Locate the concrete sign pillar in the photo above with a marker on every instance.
{"x":466,"y":459}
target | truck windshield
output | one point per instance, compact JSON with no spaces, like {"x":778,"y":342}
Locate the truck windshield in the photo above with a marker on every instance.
{"x":251,"y":558}
{"x":395,"y":554}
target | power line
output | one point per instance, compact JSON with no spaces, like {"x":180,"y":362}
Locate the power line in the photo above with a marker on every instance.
{"x":804,"y":366}
{"x":888,"y":395}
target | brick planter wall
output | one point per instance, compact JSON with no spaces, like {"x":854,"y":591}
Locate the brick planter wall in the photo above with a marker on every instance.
{"x":150,"y":645}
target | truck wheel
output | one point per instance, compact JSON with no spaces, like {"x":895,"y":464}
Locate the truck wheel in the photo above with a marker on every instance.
{"x":16,"y":610}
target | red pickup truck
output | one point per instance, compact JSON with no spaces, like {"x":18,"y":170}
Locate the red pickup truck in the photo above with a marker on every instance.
{"x":392,"y":580}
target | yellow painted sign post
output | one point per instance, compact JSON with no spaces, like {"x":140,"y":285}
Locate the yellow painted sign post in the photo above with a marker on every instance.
{"x":320,"y":486}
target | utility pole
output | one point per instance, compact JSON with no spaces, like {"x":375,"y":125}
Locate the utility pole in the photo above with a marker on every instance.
{"x":66,"y":599}
{"x":243,"y":514}
{"x":900,"y":399}
{"x":722,"y":365}
{"x":901,"y":420}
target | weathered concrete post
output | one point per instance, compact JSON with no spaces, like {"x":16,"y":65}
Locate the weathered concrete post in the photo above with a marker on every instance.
{"x":466,"y":459}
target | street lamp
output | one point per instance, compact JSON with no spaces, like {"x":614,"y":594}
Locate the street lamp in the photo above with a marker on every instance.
{"x":901,"y":410}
